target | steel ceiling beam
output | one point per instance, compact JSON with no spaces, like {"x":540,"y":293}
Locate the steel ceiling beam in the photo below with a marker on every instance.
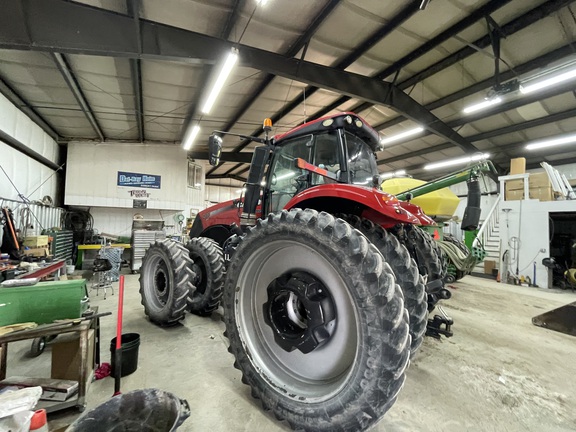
{"x":225,"y":157}
{"x":529,"y":66}
{"x":58,"y":25}
{"x":23,"y":148}
{"x":514,"y":26}
{"x":133,"y":9}
{"x":18,"y":101}
{"x":292,"y":51}
{"x":225,"y":176}
{"x":74,"y":87}
{"x":487,"y":135}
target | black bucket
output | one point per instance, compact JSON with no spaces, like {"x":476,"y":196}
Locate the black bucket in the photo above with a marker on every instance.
{"x":146,"y":410}
{"x":130,"y":345}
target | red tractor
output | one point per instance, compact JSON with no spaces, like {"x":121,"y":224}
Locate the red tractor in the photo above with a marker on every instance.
{"x":325,"y":280}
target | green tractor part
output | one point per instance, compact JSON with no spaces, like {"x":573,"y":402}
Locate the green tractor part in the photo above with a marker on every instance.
{"x":460,"y":260}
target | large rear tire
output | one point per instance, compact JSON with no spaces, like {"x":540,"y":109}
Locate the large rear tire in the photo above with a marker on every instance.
{"x":209,"y":274}
{"x":165,"y":282}
{"x":426,"y":253}
{"x":340,"y":346}
{"x":405,"y":270}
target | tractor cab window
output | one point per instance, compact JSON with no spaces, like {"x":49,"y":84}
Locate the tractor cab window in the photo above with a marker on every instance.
{"x":286,"y":179}
{"x":361,"y":161}
{"x":327,"y":155}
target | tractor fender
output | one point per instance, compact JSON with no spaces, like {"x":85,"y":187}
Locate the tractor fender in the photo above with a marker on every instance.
{"x":424,"y":219}
{"x":214,"y":222}
{"x":380,"y":207}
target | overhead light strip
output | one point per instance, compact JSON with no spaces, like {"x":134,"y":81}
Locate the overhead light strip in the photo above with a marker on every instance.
{"x":482,"y":105}
{"x":459,"y":161}
{"x":388,"y":175}
{"x":190,"y":137}
{"x":533,"y":85}
{"x":223,"y":75}
{"x":551,"y":142}
{"x":402,"y":135}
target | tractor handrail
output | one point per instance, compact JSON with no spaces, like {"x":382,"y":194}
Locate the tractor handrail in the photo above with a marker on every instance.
{"x":489,"y":222}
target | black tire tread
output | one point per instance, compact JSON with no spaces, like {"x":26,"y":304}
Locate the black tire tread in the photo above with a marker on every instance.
{"x":405,"y":270}
{"x":179,"y":265}
{"x":365,"y":399}
{"x":210,"y":252}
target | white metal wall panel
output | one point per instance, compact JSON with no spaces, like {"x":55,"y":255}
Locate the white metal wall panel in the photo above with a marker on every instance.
{"x":118,"y":221}
{"x":92,"y":169}
{"x":31,"y":219}
{"x":17,"y":124}
{"x":27,"y":174}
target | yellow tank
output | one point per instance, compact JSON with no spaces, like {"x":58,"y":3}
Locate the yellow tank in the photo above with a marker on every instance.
{"x":439,"y":205}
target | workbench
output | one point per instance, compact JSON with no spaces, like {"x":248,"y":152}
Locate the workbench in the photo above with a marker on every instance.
{"x":46,"y":330}
{"x":46,"y":270}
{"x":82,"y":248}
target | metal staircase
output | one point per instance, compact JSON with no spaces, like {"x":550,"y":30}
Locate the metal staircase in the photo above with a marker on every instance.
{"x":489,"y":236}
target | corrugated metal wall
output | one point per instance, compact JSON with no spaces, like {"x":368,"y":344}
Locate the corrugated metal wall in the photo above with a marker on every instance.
{"x":31,"y":219}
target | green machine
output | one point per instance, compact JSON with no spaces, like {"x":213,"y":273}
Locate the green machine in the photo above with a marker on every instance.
{"x":459,"y":258}
{"x":43,"y":302}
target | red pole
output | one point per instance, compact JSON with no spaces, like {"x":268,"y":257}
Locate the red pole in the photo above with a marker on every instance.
{"x":118,"y":353}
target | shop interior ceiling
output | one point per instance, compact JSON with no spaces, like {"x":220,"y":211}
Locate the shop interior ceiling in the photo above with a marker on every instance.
{"x":107,"y":70}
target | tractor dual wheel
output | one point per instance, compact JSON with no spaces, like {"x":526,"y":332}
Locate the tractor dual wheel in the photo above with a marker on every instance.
{"x":166,"y":281}
{"x":209,"y":273}
{"x":427,"y":255}
{"x":316,"y":322}
{"x":405,"y":270}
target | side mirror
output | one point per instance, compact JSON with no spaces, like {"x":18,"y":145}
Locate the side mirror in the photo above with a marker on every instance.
{"x":214,"y":149}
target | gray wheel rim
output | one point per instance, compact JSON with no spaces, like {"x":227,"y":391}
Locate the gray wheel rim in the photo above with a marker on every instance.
{"x":321,"y":373}
{"x":157,"y":282}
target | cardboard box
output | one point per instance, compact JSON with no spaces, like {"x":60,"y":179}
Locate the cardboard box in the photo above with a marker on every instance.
{"x":518,"y":166}
{"x":542,"y":193}
{"x":489,"y":266}
{"x":514,"y":195}
{"x":66,"y":356}
{"x":36,"y":241}
{"x":514,"y":185}
{"x":37,"y":252}
{"x":539,"y":179}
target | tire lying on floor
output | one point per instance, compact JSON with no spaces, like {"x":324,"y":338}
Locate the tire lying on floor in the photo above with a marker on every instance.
{"x":209,"y":274}
{"x":316,"y":322}
{"x":405,"y":270}
{"x":166,"y":281}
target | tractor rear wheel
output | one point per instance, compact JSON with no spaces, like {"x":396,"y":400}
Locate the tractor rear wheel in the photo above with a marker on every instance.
{"x":426,"y":253}
{"x":405,"y":270}
{"x":166,"y":281}
{"x":316,"y":322}
{"x":209,"y":274}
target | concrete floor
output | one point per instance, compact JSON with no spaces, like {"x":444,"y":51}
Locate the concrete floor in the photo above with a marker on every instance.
{"x":498,"y":373}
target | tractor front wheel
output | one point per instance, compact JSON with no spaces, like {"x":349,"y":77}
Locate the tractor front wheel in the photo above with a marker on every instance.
{"x":316,"y":322}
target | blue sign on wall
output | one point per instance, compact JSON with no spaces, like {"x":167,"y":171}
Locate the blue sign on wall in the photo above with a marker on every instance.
{"x":138,"y":180}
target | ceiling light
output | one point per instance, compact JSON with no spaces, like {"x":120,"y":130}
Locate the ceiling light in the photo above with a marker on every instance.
{"x":551,"y":142}
{"x":402,"y":135}
{"x":223,"y":75}
{"x":535,"y":84}
{"x":482,"y":105}
{"x":262,"y":2}
{"x":392,"y":174}
{"x":190,"y":136}
{"x":459,"y":161}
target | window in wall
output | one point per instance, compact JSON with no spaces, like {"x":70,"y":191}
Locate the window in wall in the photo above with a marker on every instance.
{"x":194,"y":175}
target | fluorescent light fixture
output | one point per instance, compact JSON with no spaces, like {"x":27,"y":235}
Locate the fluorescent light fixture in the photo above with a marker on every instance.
{"x":482,"y":105}
{"x":459,"y":161}
{"x":262,"y":2}
{"x":223,"y":75}
{"x":392,"y":174}
{"x":190,"y":137}
{"x":551,"y":142}
{"x":535,"y":85}
{"x":402,"y":135}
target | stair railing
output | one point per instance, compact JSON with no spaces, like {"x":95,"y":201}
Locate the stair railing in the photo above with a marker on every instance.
{"x":490,"y":223}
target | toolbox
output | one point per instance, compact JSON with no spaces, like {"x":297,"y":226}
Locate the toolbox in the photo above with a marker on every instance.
{"x":44,"y":302}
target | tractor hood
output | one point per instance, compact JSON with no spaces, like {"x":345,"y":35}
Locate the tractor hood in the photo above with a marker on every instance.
{"x":377,"y":205}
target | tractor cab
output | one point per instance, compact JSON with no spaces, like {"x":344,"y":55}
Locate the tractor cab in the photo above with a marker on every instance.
{"x":332,"y":150}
